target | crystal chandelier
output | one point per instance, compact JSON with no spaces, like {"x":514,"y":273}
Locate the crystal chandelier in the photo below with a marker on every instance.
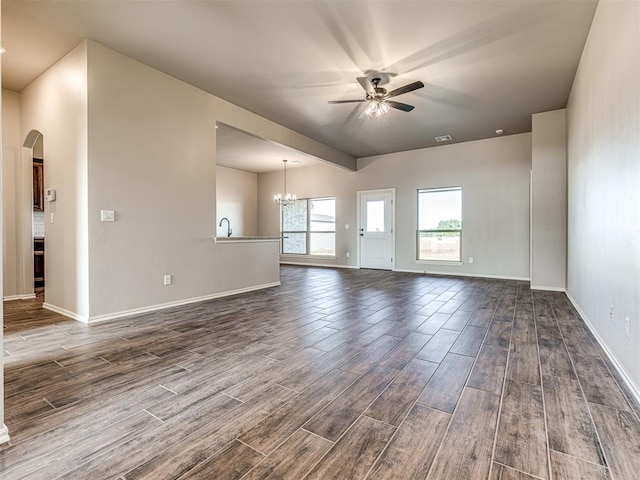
{"x":284,"y":198}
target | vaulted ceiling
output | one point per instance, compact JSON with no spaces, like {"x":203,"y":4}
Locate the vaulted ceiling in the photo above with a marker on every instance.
{"x":486,"y":65}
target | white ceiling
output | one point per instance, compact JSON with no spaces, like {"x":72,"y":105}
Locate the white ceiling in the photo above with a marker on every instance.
{"x":486,"y":64}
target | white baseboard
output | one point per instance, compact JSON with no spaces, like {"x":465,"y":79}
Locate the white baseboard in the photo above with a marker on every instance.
{"x":65,"y":312}
{"x":548,"y":289}
{"x":301,"y":264}
{"x":162,"y":306}
{"x":459,"y":274}
{"x":4,"y":434}
{"x":10,"y":298}
{"x":623,"y":373}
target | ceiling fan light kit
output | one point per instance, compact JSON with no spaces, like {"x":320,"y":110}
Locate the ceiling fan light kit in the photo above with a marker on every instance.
{"x":378,"y":97}
{"x":377,"y":108}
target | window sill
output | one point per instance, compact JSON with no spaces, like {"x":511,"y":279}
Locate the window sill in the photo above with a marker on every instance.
{"x":438,"y":262}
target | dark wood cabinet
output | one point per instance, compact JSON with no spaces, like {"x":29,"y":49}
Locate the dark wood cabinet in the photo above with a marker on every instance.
{"x":38,"y":185}
{"x":38,"y":263}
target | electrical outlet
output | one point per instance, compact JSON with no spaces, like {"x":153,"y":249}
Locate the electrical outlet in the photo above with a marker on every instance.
{"x":347,"y":254}
{"x":107,"y":216}
{"x":611,"y":312}
{"x":167,"y":279}
{"x":470,"y":259}
{"x":627,"y":327}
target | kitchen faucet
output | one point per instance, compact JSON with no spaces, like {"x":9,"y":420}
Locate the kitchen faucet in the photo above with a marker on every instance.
{"x":228,"y":225}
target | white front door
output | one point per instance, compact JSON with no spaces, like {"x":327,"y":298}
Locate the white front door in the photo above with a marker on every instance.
{"x":377,"y":238}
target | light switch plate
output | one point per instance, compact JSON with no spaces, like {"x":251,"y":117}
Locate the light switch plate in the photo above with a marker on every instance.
{"x":107,"y":216}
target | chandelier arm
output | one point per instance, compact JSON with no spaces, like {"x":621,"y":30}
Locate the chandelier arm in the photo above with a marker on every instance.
{"x":284,"y":198}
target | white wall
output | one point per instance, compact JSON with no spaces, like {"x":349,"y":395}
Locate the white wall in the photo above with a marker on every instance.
{"x":549,"y":200}
{"x":56,"y":105}
{"x":11,"y":195}
{"x":4,"y":433}
{"x":152,"y":159}
{"x":494,"y":174}
{"x":237,"y":199}
{"x":603,"y":178}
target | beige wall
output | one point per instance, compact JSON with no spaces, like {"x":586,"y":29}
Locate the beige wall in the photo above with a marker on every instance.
{"x":603,"y":179}
{"x":56,"y":105}
{"x":549,"y":200}
{"x":150,"y":156}
{"x":494,"y":174}
{"x":11,"y":195}
{"x":152,"y":160}
{"x":237,"y":199}
{"x":4,"y":433}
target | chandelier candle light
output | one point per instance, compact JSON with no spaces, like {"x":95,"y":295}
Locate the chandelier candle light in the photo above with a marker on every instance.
{"x":284,"y":198}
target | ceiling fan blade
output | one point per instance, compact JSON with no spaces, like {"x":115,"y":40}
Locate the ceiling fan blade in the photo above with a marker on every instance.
{"x":344,"y":101}
{"x":400,"y":106}
{"x":367,"y":85}
{"x":406,"y":89}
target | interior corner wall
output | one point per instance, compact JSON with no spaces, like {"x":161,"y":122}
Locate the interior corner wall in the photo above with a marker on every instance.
{"x":55,"y":104}
{"x":237,"y":200}
{"x":494,"y":174}
{"x":603,"y":115}
{"x":549,"y":200}
{"x":12,"y":244}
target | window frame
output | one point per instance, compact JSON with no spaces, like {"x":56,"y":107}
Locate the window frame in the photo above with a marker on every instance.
{"x":308,"y":231}
{"x":419,"y":231}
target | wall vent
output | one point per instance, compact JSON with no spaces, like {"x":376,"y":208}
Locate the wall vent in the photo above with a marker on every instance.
{"x":443,"y":138}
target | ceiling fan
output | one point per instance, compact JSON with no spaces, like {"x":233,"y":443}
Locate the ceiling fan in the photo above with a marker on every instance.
{"x":378,"y":97}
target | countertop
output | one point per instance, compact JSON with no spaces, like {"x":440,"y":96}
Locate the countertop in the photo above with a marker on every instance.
{"x":246,"y":239}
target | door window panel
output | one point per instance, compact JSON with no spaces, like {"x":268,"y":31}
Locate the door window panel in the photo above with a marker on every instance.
{"x":375,"y":216}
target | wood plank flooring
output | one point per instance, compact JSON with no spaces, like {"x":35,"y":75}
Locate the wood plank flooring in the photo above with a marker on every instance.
{"x":336,"y":374}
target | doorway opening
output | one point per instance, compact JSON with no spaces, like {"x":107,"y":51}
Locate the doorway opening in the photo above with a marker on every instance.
{"x":34,"y":142}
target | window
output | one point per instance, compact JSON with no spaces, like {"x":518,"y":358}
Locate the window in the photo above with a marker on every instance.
{"x":440,"y":224}
{"x":309,"y":227}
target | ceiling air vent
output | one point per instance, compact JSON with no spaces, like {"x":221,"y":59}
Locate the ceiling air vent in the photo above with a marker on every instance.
{"x":443,"y":138}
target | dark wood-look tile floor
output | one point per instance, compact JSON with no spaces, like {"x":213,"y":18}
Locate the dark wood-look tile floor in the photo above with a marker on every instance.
{"x":336,"y":374}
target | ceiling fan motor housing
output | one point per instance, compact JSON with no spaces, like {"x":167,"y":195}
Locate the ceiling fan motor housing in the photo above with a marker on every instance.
{"x":378,"y":90}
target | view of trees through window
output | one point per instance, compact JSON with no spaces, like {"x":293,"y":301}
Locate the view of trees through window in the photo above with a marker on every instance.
{"x":309,"y":227}
{"x":440,"y":224}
